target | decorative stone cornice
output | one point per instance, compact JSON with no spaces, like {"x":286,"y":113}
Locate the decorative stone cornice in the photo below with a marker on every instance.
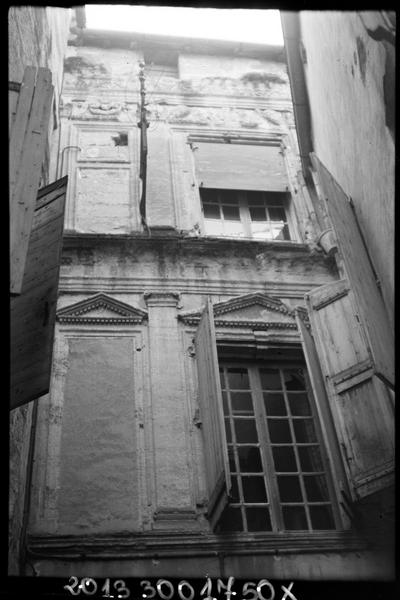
{"x":266,"y":307}
{"x":174,"y":543}
{"x":165,"y":298}
{"x":101,"y":309}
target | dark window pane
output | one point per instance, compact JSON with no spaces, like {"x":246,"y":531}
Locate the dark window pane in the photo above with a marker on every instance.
{"x":284,"y":458}
{"x":258,"y":519}
{"x":275,"y":405}
{"x":299,"y":405}
{"x":211,"y":211}
{"x":249,"y":459}
{"x":228,"y":431}
{"x":270,"y":379}
{"x":257,"y":213}
{"x":231,"y":213}
{"x":294,"y":379}
{"x":294,"y":517}
{"x":289,"y":488}
{"x":277,"y":214}
{"x":235,"y":490}
{"x":231,"y":456}
{"x":322,"y":517}
{"x":254,"y":489}
{"x":255,"y":198}
{"x":231,"y":520}
{"x":238,"y":379}
{"x":275,"y":198}
{"x":246,"y":431}
{"x":316,"y":488}
{"x":285,"y":235}
{"x":242,"y":402}
{"x":304,"y":430}
{"x":225,"y":403}
{"x":279,"y":431}
{"x":310,"y":458}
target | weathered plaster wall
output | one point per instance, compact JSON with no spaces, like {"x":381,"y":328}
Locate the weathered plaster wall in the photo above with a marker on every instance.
{"x":345,"y":70}
{"x":37,"y":36}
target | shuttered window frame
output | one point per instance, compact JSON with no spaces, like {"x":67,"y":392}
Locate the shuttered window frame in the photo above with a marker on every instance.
{"x":330,"y":447}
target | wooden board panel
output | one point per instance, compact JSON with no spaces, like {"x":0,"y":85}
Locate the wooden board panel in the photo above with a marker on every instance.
{"x":26,"y":159}
{"x":240,"y":167}
{"x":33,"y":312}
{"x":369,"y":300}
{"x":360,"y":402}
{"x":211,"y":412}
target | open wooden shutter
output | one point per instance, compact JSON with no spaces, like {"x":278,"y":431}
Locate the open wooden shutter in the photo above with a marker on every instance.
{"x":321,"y":399}
{"x":369,"y":300}
{"x":240,"y":166}
{"x":360,"y":402}
{"x":33,"y":312}
{"x":212,"y":417}
{"x":29,"y":122}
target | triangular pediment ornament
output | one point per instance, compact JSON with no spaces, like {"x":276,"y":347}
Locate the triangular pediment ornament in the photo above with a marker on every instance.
{"x":254,"y":311}
{"x":101,"y":309}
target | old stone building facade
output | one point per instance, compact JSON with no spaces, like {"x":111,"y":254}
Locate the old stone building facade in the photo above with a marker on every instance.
{"x":188,"y":429}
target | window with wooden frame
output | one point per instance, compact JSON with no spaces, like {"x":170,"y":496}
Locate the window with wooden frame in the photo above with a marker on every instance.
{"x":279,"y":476}
{"x":292,"y":443}
{"x":245,"y":214}
{"x":244,"y":188}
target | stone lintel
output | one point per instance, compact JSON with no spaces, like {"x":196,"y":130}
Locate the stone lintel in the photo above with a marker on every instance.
{"x":161,"y":298}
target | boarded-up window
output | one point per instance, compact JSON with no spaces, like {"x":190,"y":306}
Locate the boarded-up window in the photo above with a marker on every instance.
{"x":360,"y":402}
{"x":236,"y":166}
{"x":210,"y":401}
{"x":372,"y":311}
{"x":98,"y":476}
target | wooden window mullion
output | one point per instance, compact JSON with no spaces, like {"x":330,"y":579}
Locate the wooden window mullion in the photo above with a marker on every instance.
{"x":266,"y":453}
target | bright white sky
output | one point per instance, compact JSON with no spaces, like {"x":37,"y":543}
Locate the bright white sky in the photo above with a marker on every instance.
{"x":243,"y":25}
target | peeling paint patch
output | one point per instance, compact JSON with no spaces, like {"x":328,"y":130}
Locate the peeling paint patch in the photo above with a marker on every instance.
{"x":362,"y":58}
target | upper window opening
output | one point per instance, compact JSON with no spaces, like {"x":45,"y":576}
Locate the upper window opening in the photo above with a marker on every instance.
{"x":245,"y":214}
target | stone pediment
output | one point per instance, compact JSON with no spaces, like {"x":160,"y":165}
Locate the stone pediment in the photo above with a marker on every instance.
{"x":254,"y":311}
{"x":101,"y":309}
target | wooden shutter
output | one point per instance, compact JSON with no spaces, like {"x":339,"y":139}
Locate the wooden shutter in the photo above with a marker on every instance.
{"x":212,"y":417}
{"x":369,"y":300}
{"x":360,"y":402}
{"x":28,"y":135}
{"x":33,"y":311}
{"x":240,"y":166}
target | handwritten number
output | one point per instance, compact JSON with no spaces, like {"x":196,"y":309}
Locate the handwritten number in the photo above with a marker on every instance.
{"x":207,"y":589}
{"x":122,"y":590}
{"x":261,"y":584}
{"x":71,"y":586}
{"x":247,"y":590}
{"x":180,"y":592}
{"x":88,"y":581}
{"x":106,"y":588}
{"x":227,"y":587}
{"x":165,"y":582}
{"x":147,"y":586}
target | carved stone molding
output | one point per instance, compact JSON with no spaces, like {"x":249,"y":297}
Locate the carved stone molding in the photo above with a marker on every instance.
{"x":101,"y":309}
{"x":161,"y":298}
{"x":251,"y":311}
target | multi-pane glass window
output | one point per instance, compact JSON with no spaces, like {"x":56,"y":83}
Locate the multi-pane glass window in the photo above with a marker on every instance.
{"x":279,"y":477}
{"x":245,"y":214}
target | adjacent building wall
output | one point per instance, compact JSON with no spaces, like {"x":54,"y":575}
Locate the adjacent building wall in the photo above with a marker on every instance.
{"x":37,"y":37}
{"x":350,"y":83}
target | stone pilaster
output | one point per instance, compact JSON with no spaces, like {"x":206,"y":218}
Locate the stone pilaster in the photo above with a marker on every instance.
{"x":174,"y":504}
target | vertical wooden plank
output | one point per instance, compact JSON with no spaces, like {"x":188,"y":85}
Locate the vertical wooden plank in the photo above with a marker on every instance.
{"x":18,"y":132}
{"x":211,"y":411}
{"x":33,"y":311}
{"x":22,"y":200}
{"x":359,"y":401}
{"x":360,"y":272}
